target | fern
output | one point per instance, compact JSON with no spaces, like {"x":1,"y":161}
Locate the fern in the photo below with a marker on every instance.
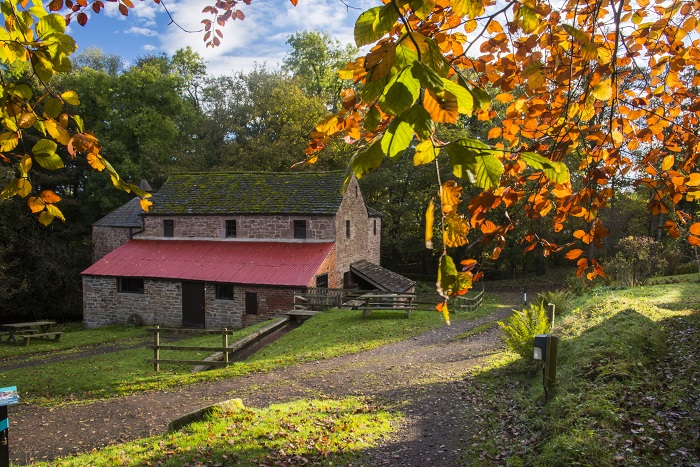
{"x":521,"y":328}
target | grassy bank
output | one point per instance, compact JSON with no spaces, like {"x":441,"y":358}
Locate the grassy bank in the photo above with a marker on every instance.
{"x":627,"y":387}
{"x":127,"y":369}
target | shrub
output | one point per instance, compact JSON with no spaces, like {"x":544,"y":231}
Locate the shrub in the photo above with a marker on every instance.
{"x":686,"y":268}
{"x":560,"y":298}
{"x":521,"y":328}
{"x":637,"y":260}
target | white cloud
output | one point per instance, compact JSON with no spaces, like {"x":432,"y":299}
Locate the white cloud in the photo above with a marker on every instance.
{"x":149,"y":47}
{"x":138,"y":31}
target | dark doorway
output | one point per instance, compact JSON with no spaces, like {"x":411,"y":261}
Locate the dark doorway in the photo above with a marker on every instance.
{"x":193,"y":304}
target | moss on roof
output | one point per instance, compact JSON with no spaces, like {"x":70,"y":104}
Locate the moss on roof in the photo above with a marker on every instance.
{"x":250,"y":193}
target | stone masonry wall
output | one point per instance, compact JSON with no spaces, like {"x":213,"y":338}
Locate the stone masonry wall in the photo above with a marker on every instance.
{"x":161,"y":303}
{"x":362,"y":243}
{"x":247,"y":226}
{"x":106,"y":239}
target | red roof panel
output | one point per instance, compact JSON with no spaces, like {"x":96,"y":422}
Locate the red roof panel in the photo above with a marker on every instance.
{"x":263,"y":263}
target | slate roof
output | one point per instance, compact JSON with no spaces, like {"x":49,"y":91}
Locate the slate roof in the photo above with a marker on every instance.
{"x":292,"y":264}
{"x":301,"y":193}
{"x":381,"y":278}
{"x":126,"y":215}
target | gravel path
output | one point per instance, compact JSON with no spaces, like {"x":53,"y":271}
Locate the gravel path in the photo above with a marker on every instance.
{"x":425,"y":373}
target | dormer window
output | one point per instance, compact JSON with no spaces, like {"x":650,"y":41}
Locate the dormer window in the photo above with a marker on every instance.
{"x":168,"y":228}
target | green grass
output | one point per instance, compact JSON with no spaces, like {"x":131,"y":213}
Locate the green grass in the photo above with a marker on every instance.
{"x":315,"y":432}
{"x":626,"y":375}
{"x":327,"y":335}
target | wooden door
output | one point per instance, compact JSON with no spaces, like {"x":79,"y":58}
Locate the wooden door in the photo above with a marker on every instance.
{"x":193,"y":304}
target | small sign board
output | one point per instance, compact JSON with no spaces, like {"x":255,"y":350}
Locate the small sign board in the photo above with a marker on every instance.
{"x":8,"y":396}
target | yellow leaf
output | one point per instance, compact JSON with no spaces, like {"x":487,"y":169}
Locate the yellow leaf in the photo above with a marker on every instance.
{"x":443,"y":107}
{"x":617,"y":137}
{"x":23,"y":187}
{"x":25,"y":165}
{"x":54,"y":211}
{"x":56,"y":131}
{"x":667,"y":163}
{"x":96,"y":161}
{"x":470,"y":26}
{"x":494,"y":27}
{"x":45,"y":218}
{"x":446,"y":313}
{"x":693,"y":179}
{"x":329,"y":126}
{"x":71,"y":97}
{"x":425,"y":153}
{"x":145,"y":204}
{"x":603,"y":90}
{"x":429,"y":221}
{"x":8,"y":141}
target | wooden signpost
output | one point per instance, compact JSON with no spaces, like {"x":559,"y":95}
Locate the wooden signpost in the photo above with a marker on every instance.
{"x":8,"y":396}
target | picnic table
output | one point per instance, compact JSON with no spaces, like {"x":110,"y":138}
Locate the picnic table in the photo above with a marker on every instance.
{"x":29,"y":330}
{"x":387,"y":301}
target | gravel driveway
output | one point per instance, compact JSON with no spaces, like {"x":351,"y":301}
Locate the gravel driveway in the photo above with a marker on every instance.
{"x":424,"y":374}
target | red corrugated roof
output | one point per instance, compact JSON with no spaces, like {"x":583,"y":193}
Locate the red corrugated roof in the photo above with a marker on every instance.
{"x":263,"y":263}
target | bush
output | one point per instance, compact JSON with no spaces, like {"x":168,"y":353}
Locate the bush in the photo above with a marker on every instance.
{"x":686,"y":268}
{"x":637,"y":260}
{"x":561,"y":300}
{"x":521,"y":328}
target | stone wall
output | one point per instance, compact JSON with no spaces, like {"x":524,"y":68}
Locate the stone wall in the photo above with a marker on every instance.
{"x":273,"y":227}
{"x":161,"y":303}
{"x":362,"y":243}
{"x":106,"y":239}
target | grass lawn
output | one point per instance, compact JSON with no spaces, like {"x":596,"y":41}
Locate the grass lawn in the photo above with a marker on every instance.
{"x":315,"y":432}
{"x":627,"y":387}
{"x":128,"y":370}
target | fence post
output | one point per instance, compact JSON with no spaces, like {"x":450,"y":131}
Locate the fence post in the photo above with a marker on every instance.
{"x":550,"y":313}
{"x":226,"y":346}
{"x":156,"y":349}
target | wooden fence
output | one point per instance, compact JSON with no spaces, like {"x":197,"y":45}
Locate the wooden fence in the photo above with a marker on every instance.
{"x":157,"y":347}
{"x":321,"y":298}
{"x":467,"y":302}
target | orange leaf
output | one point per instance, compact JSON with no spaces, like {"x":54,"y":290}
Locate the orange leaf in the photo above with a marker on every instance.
{"x":442,"y":107}
{"x":693,"y":179}
{"x":695,"y":228}
{"x":294,"y":2}
{"x":488,"y":227}
{"x":573,"y":254}
{"x":469,"y":264}
{"x":494,"y":132}
{"x":496,"y":253}
{"x":667,"y":163}
{"x":49,"y":197}
{"x":694,"y":240}
{"x":35,"y":204}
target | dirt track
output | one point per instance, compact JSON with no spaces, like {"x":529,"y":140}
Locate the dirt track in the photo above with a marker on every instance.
{"x":426,"y":373}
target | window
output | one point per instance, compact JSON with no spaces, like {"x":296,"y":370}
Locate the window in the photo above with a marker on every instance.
{"x":169,"y":228}
{"x":230,"y":228}
{"x":251,"y":303}
{"x":374,"y":226}
{"x":347,"y":229}
{"x":224,"y":291}
{"x":322,"y":281}
{"x":299,"y":229}
{"x":130,"y":285}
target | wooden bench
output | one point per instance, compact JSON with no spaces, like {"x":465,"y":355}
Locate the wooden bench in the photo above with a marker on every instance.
{"x":387,"y":301}
{"x":51,"y":336}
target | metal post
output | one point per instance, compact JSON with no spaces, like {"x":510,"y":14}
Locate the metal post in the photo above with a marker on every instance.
{"x":4,"y":442}
{"x":524,"y":296}
{"x":550,"y":365}
{"x":156,"y":349}
{"x":226,"y":346}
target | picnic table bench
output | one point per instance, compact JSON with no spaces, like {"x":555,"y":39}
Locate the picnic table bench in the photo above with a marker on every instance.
{"x":387,"y":301}
{"x":29,"y":330}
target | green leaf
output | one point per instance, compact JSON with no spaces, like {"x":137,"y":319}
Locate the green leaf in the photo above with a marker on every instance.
{"x":470,"y":8}
{"x":367,"y":159}
{"x":488,"y":171}
{"x":422,"y":8}
{"x":374,"y":23}
{"x":465,"y":101}
{"x":42,"y":67}
{"x":464,"y":156}
{"x":420,"y":121}
{"x":427,"y":77}
{"x":44,"y":147}
{"x":372,"y":119}
{"x":400,"y":94}
{"x":397,"y":138}
{"x":481,"y":98}
{"x":51,"y":24}
{"x":528,"y":19}
{"x":556,"y":172}
{"x":463,"y":161}
{"x":61,"y":63}
{"x":372,"y":90}
{"x":53,"y":107}
{"x":434,"y":58}
{"x":79,"y":122}
{"x":49,"y":161}
{"x":23,"y":91}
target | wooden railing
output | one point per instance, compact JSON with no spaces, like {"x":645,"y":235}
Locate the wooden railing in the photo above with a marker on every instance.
{"x":320,"y":298}
{"x":469,"y":302}
{"x":157,"y":346}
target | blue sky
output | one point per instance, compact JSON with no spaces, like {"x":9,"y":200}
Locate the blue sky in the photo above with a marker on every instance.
{"x":260,"y":38}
